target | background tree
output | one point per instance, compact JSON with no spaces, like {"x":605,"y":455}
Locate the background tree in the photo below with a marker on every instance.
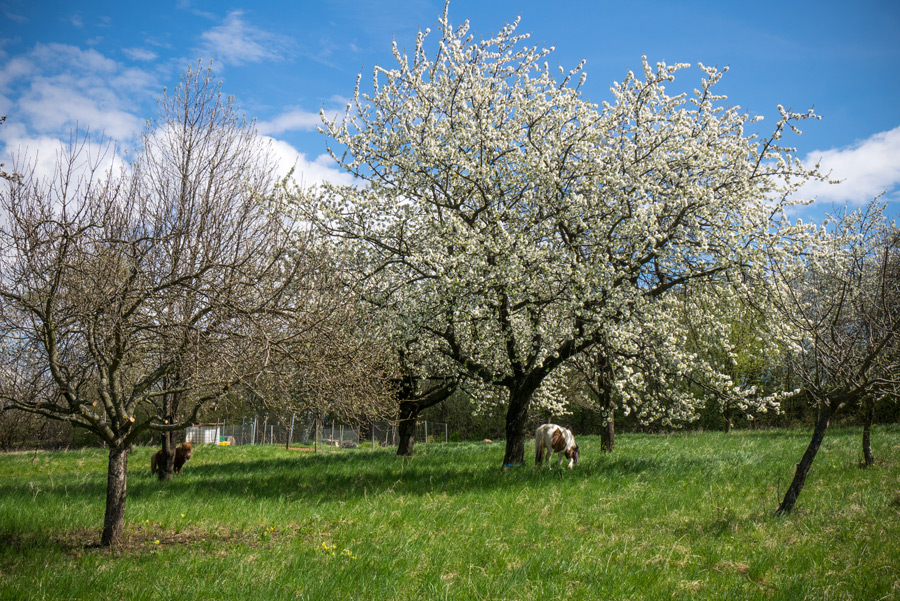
{"x":22,"y":430}
{"x":736,"y":352}
{"x":841,"y":305}
{"x":519,"y":219}
{"x":332,"y":358}
{"x":122,"y":292}
{"x":595,"y":375}
{"x":679,"y":354}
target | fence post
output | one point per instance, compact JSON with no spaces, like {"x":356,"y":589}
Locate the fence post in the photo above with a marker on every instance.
{"x":290,"y":438}
{"x":426,"y":431}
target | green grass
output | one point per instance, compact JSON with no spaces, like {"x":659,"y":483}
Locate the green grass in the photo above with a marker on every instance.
{"x":685,"y":516}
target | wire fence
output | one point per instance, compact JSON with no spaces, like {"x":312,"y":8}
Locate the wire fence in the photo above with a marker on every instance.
{"x":384,"y":434}
{"x":262,"y":430}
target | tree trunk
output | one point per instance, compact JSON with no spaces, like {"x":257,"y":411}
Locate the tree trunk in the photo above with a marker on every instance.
{"x":406,"y":429}
{"x":116,"y":480}
{"x":170,"y":410}
{"x":607,"y":404}
{"x":167,"y":459}
{"x":868,"y":419}
{"x":411,"y":404}
{"x":516,"y":416}
{"x":608,"y":413}
{"x":790,"y":497}
{"x":608,"y":433}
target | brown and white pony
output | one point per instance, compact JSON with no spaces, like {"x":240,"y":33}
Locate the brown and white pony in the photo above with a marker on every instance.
{"x":551,"y":438}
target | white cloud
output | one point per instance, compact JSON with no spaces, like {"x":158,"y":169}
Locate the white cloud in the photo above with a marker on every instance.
{"x":186,"y":5}
{"x":58,"y":88}
{"x":15,"y":69}
{"x":14,"y":16}
{"x":237,"y":42}
{"x":55,"y":92}
{"x":67,"y":58}
{"x":307,"y":173}
{"x":60,"y":103}
{"x":293,"y":120}
{"x":301,"y":120}
{"x":139,"y":54}
{"x":866,"y":169}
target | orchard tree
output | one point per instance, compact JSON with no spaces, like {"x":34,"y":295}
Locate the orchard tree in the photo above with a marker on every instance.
{"x":518,"y":220}
{"x":842,"y":306}
{"x":736,"y":347}
{"x":332,"y":359}
{"x":677,"y":355}
{"x":593,"y":372}
{"x":130,"y":299}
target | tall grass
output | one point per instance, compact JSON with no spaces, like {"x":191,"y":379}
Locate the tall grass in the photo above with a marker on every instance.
{"x":678,"y":516}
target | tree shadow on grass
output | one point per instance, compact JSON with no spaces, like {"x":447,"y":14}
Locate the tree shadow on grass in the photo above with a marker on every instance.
{"x":350,"y":476}
{"x":347,"y":475}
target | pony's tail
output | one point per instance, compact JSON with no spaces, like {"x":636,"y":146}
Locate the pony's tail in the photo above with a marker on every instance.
{"x":538,"y":449}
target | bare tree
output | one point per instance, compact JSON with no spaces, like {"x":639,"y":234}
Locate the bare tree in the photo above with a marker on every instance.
{"x":844,"y":309}
{"x":331,"y":358}
{"x":130,"y":299}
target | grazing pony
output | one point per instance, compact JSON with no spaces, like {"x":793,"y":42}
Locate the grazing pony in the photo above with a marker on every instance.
{"x":183,"y":453}
{"x":552,"y":438}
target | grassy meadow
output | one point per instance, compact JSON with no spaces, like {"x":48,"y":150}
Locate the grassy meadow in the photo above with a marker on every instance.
{"x":684,"y":516}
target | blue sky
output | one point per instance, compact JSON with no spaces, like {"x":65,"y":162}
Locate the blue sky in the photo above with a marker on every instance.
{"x":101,"y":65}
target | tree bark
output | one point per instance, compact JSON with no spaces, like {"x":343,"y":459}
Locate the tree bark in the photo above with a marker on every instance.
{"x":516,"y":417}
{"x":406,"y":428}
{"x":607,"y":404}
{"x":167,"y":460}
{"x":170,"y":404}
{"x":790,"y":497}
{"x":411,"y":404}
{"x":868,"y":420}
{"x":608,"y":432}
{"x":116,"y":481}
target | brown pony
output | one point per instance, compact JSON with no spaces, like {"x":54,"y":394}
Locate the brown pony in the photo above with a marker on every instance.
{"x":183,"y":453}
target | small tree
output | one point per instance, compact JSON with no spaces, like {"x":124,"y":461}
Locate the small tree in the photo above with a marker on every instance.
{"x":131,"y":299}
{"x":842,"y":306}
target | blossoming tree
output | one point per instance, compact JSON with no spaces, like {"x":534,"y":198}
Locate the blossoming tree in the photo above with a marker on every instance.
{"x":517,"y":220}
{"x":704,"y":345}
